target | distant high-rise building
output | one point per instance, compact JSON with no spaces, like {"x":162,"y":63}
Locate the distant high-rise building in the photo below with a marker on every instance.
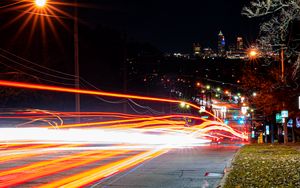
{"x":239,"y":43}
{"x":196,"y":49}
{"x":207,"y":52}
{"x":221,"y":43}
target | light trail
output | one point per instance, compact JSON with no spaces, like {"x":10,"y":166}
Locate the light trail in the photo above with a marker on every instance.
{"x":150,"y":136}
{"x":40,"y":169}
{"x":48,"y":117}
{"x":104,"y":136}
{"x":92,"y":92}
{"x":146,"y":133}
{"x":25,"y":148}
{"x":102,"y":114}
{"x":13,"y":156}
{"x":226,"y":129}
{"x":80,"y":91}
{"x":132,"y":120}
{"x":144,"y":124}
{"x":89,"y":176}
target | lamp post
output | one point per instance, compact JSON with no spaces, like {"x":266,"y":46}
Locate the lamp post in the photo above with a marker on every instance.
{"x":282,"y":80}
{"x":253,"y":53}
{"x":43,"y":4}
{"x":76,"y":60}
{"x":285,"y":129}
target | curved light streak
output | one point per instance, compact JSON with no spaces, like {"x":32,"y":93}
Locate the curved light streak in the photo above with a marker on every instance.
{"x":92,"y":92}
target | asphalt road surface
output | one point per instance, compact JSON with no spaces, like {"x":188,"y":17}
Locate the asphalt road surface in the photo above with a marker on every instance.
{"x":179,"y":168}
{"x":85,"y":165}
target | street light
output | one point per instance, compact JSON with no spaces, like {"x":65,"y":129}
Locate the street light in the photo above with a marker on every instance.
{"x":40,"y":3}
{"x":45,"y":8}
{"x":253,"y":53}
{"x":43,"y":4}
{"x":182,"y":104}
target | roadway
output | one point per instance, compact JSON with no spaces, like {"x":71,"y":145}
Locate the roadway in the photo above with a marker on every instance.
{"x":53,"y":164}
{"x":108,"y":149}
{"x":178,"y":168}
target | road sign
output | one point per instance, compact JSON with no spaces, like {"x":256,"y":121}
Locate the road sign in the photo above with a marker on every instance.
{"x":267,"y":130}
{"x":298,"y":122}
{"x":278,"y":118}
{"x":284,"y":113}
{"x":290,"y":123}
{"x":202,"y":109}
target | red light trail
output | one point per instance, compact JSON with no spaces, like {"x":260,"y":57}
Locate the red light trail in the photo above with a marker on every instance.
{"x":111,"y":142}
{"x":92,"y":92}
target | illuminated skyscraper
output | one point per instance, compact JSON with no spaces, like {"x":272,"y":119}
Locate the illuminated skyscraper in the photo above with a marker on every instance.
{"x":221,"y":43}
{"x":239,"y":43}
{"x":197,"y":49}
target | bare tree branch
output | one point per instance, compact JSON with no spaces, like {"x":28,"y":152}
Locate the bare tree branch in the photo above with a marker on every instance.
{"x":274,"y":31}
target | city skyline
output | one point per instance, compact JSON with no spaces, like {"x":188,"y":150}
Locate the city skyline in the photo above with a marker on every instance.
{"x":172,"y":26}
{"x":168,"y":26}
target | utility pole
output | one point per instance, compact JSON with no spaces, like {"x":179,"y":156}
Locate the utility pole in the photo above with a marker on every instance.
{"x":125,"y":84}
{"x":282,"y":64}
{"x":76,"y":61}
{"x":285,"y":130}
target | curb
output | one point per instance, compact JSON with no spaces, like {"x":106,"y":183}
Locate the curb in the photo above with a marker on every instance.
{"x":228,"y":168}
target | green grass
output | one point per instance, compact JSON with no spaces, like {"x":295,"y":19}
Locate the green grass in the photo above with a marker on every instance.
{"x":265,"y":166}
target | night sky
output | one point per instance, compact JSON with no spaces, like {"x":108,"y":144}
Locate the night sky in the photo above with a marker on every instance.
{"x":173,"y":26}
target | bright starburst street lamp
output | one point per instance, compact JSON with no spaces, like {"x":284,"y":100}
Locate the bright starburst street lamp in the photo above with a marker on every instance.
{"x":253,"y":53}
{"x":40,"y":3}
{"x":45,"y":11}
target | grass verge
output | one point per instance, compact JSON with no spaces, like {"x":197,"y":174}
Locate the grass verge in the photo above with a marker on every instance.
{"x":265,"y":166}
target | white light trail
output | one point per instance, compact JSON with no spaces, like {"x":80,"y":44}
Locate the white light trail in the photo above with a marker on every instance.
{"x":129,"y":136}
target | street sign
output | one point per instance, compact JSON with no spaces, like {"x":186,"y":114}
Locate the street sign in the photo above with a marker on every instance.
{"x":284,"y":113}
{"x":202,"y":109}
{"x":267,"y":130}
{"x":298,"y":122}
{"x":278,"y":118}
{"x":290,"y":123}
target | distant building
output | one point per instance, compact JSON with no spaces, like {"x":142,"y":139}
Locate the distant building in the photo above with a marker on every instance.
{"x":221,"y":43}
{"x":231,"y":48}
{"x":196,"y":49}
{"x":208,"y":52}
{"x":239,"y":43}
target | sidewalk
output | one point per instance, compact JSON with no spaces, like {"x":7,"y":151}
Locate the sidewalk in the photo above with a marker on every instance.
{"x":265,"y":166}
